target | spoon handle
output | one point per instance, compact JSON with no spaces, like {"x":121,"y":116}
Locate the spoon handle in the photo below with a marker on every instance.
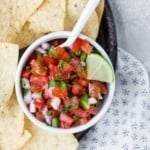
{"x":88,"y":10}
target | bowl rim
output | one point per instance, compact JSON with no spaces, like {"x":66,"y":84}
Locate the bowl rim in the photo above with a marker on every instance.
{"x":29,"y":50}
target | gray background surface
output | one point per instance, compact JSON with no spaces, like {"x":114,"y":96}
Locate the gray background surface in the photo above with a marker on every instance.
{"x":132,"y":18}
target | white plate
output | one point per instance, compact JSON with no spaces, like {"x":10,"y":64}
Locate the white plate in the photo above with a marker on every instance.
{"x":126,"y":125}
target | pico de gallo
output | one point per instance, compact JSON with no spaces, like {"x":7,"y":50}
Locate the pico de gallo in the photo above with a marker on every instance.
{"x":55,"y":88}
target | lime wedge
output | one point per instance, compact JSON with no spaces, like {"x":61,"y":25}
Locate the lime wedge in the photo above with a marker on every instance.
{"x":99,"y":69}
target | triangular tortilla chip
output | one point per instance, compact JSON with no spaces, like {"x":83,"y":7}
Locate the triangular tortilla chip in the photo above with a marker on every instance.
{"x":74,"y":10}
{"x":8,"y":65}
{"x":26,"y":36}
{"x":49,"y":17}
{"x":44,"y":140}
{"x":100,"y":9}
{"x":13,"y":15}
{"x":12,"y":133}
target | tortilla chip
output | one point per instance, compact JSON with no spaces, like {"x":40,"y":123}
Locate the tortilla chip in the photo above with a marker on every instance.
{"x":12,"y":113}
{"x":13,"y":142}
{"x":12,"y":134}
{"x":49,"y":17}
{"x":45,"y":140}
{"x":26,"y":36}
{"x":74,"y":10}
{"x":8,"y":64}
{"x":13,"y":15}
{"x":100,"y":10}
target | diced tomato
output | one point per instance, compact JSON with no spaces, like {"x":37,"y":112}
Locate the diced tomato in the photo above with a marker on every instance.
{"x":42,"y":71}
{"x":103,"y":89}
{"x":46,"y":93}
{"x":48,"y":103}
{"x":82,"y":82}
{"x":35,"y":64}
{"x":26,"y":73}
{"x":66,"y":75}
{"x":92,"y":110}
{"x":86,"y":47}
{"x":76,"y":45}
{"x":54,"y":72}
{"x":35,"y":89}
{"x":37,"y":68}
{"x":77,"y":89}
{"x":83,"y":121}
{"x":54,"y":113}
{"x":61,"y":53}
{"x":38,"y":80}
{"x":39,"y":58}
{"x":68,"y":67}
{"x":65,"y":56}
{"x":75,"y":61}
{"x":64,"y":125}
{"x":39,"y":116}
{"x":60,"y":92}
{"x":94,"y":90}
{"x":81,"y":73}
{"x":39,"y":103}
{"x":50,"y":60}
{"x":74,"y":102}
{"x":80,"y":112}
{"x":66,"y":118}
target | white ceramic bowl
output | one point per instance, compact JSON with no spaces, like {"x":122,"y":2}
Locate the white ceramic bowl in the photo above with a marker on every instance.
{"x":22,"y":62}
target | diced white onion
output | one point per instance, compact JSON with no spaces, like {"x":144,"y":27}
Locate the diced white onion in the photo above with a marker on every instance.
{"x":50,"y":94}
{"x":32,"y":62}
{"x":92,"y":101}
{"x":27,"y":97}
{"x":45,"y":46}
{"x":55,"y":103}
{"x":90,"y":87}
{"x":32,"y":107}
{"x":45,"y":86}
{"x":41,"y":50}
{"x":36,"y":96}
{"x":52,"y":46}
{"x":100,"y":96}
{"x":44,"y":110}
{"x":83,"y":63}
{"x":26,"y":83}
{"x":48,"y":119}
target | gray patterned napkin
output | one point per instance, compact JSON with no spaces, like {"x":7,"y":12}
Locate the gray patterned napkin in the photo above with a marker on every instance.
{"x":126,"y":125}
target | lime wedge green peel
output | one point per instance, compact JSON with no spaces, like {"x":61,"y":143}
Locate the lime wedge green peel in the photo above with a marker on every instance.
{"x":99,"y":69}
